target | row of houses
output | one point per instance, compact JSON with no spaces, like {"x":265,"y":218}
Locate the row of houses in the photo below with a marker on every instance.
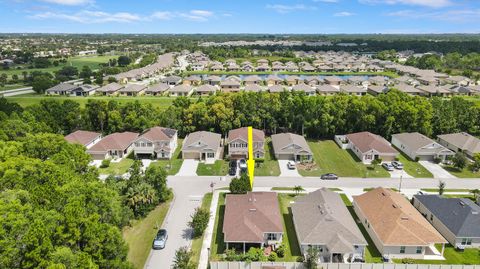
{"x":368,"y":147}
{"x":161,"y":143}
{"x":398,"y":229}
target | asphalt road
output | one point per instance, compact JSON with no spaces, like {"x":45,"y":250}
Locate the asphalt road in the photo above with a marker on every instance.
{"x":189,"y":191}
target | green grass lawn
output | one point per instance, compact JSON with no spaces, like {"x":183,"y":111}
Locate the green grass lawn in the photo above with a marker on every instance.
{"x":12,"y":86}
{"x":140,"y":234}
{"x":197,"y":242}
{"x":219,"y":168}
{"x":173,"y":165}
{"x":217,"y":247}
{"x":269,"y":167}
{"x":329,"y":158}
{"x":292,"y":248}
{"x":117,"y":168}
{"x":292,"y":189}
{"x":463,"y":173}
{"x":413,"y":168}
{"x":468,"y":257}
{"x":446,"y":190}
{"x":161,"y":103}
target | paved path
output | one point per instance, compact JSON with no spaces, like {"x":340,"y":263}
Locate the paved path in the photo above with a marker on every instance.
{"x":436,"y":170}
{"x":285,"y":172}
{"x":188,"y":168}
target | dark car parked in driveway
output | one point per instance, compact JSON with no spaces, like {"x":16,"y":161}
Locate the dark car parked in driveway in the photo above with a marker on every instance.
{"x":160,"y":239}
{"x":232,"y":170}
{"x":329,"y":176}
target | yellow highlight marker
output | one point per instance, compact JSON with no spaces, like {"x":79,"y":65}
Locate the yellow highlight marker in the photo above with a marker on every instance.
{"x":251,"y":160}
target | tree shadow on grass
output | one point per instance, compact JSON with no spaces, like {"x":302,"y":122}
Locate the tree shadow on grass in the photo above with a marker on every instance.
{"x":293,"y":245}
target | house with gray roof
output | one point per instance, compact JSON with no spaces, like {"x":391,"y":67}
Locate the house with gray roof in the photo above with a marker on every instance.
{"x":132,"y":90}
{"x":289,"y":146}
{"x":416,"y":145}
{"x":302,"y":87}
{"x":206,"y":89}
{"x":172,"y":80}
{"x":204,"y":146}
{"x":110,"y":89}
{"x":327,"y":90}
{"x":62,"y":89}
{"x":463,"y":142}
{"x":157,"y":89}
{"x":322,"y":221}
{"x":276,"y":88}
{"x":457,"y":219}
{"x":181,"y":90}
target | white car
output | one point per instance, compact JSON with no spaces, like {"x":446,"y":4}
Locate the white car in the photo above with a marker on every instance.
{"x":388,"y":167}
{"x":291,"y":165}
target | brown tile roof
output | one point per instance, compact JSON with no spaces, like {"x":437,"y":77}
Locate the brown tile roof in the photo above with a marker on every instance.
{"x":115,"y":141}
{"x":366,"y":141}
{"x":159,"y":134}
{"x":249,"y":216}
{"x":82,"y":137}
{"x":395,"y":221}
{"x":242,"y":133}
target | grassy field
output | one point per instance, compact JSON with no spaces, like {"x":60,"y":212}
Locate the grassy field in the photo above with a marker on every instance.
{"x":197,"y":242}
{"x":387,"y":74}
{"x":161,"y":103}
{"x":468,"y":257}
{"x":446,"y":190}
{"x":269,"y":167}
{"x":292,"y":248}
{"x":117,"y":168}
{"x":219,"y":168}
{"x":140,"y":234}
{"x":413,"y":168}
{"x":329,"y":158}
{"x":217,"y":247}
{"x":173,"y":165}
{"x":463,"y":173}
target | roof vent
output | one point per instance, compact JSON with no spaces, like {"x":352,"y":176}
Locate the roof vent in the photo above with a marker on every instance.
{"x":462,"y":203}
{"x":395,"y":205}
{"x":404,"y":218}
{"x":474,"y":212}
{"x":252,"y":210}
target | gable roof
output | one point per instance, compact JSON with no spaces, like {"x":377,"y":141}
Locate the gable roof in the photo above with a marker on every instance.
{"x":62,"y":87}
{"x":115,"y":141}
{"x":109,"y":88}
{"x":321,"y":217}
{"x":462,"y":141}
{"x":395,"y":221}
{"x":133,"y":88}
{"x":158,"y":134}
{"x":289,"y":143}
{"x":248,"y":216}
{"x":460,"y":215}
{"x":202,"y":140}
{"x":206,"y":88}
{"x":366,"y":141}
{"x":82,"y":137}
{"x":420,"y":143}
{"x":160,"y":87}
{"x":242,"y":133}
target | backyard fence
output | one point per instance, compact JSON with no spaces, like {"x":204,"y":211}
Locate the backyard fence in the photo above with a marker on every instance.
{"x":296,"y":265}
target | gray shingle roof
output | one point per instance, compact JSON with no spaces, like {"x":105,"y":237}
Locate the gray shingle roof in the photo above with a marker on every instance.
{"x":460,"y":215}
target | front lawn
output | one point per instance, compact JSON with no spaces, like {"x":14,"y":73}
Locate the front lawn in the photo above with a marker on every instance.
{"x":173,"y":165}
{"x":461,"y":173}
{"x":292,"y":247}
{"x":269,"y":166}
{"x":117,"y":168}
{"x":140,"y":234}
{"x":198,"y":242}
{"x":468,"y":257}
{"x":219,"y":168}
{"x":217,"y":247}
{"x":330,"y":158}
{"x":413,"y":168}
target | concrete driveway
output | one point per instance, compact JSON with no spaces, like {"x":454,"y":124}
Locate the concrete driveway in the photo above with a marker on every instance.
{"x":285,"y":172}
{"x":399,"y":173}
{"x":436,"y":170}
{"x":188,"y":168}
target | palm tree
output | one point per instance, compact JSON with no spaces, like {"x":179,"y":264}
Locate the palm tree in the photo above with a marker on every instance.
{"x":298,"y":189}
{"x":476,"y":193}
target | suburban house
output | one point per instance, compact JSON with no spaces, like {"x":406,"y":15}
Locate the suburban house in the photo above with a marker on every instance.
{"x":84,"y":90}
{"x":230,"y":85}
{"x":206,"y":89}
{"x":132,"y":90}
{"x":327,"y":90}
{"x":273,"y":80}
{"x":288,"y":146}
{"x":110,"y":89}
{"x":203,"y":146}
{"x":367,"y":146}
{"x":157,"y":89}
{"x":397,"y":229}
{"x":417,"y":145}
{"x":192,"y":80}
{"x":61,"y":89}
{"x":156,"y":142}
{"x":116,"y":146}
{"x":252,"y":220}
{"x":333,"y":80}
{"x":457,"y":219}
{"x":302,"y":87}
{"x":172,"y":80}
{"x":85,"y":138}
{"x":253,"y":88}
{"x":322,"y":221}
{"x":238,"y":143}
{"x":254,"y":79}
{"x":463,"y":142}
{"x":276,"y":88}
{"x":181,"y":90}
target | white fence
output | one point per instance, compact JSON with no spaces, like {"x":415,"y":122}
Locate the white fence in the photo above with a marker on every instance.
{"x":294,"y":265}
{"x":341,"y":141}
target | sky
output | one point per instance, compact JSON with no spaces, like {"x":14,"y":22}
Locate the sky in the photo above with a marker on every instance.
{"x":240,"y":16}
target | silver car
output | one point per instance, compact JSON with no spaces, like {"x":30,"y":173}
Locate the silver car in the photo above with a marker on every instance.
{"x":388,"y":166}
{"x":160,"y":239}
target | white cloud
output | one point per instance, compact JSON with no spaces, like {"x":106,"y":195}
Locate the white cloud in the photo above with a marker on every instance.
{"x":288,"y":8}
{"x":459,"y":16}
{"x":343,"y":14}
{"x":201,"y":13}
{"x":426,"y":3}
{"x":162,"y":15}
{"x":70,"y":2}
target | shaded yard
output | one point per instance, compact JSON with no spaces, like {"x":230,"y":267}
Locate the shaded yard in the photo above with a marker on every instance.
{"x":330,"y":158}
{"x":468,"y":257}
{"x":217,"y":247}
{"x":173,"y":165}
{"x":461,"y":173}
{"x":117,"y":168}
{"x":219,"y":168}
{"x":269,"y":167}
{"x":140,"y":234}
{"x":292,"y":248}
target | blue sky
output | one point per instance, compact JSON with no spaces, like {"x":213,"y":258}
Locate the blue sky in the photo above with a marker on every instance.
{"x":240,"y":16}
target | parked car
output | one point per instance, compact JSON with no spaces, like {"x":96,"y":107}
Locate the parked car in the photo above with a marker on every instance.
{"x":291,"y":165}
{"x":329,"y":176}
{"x":233,"y":163}
{"x":160,"y":239}
{"x":232,"y":171}
{"x":397,"y":165}
{"x":388,"y":166}
{"x":242,"y":164}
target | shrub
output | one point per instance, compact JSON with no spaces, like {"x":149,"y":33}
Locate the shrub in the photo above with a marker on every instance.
{"x":272,"y":257}
{"x":105,"y":163}
{"x":199,"y":221}
{"x":437,"y":160}
{"x":255,"y":255}
{"x":300,"y":259}
{"x":281,"y":251}
{"x":240,"y":185}
{"x":408,"y":261}
{"x":417,"y":159}
{"x":231,"y":255}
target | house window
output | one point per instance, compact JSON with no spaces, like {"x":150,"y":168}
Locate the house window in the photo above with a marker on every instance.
{"x":402,"y":249}
{"x":419,"y":250}
{"x":271,"y":236}
{"x":210,"y":155}
{"x":466,"y":241}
